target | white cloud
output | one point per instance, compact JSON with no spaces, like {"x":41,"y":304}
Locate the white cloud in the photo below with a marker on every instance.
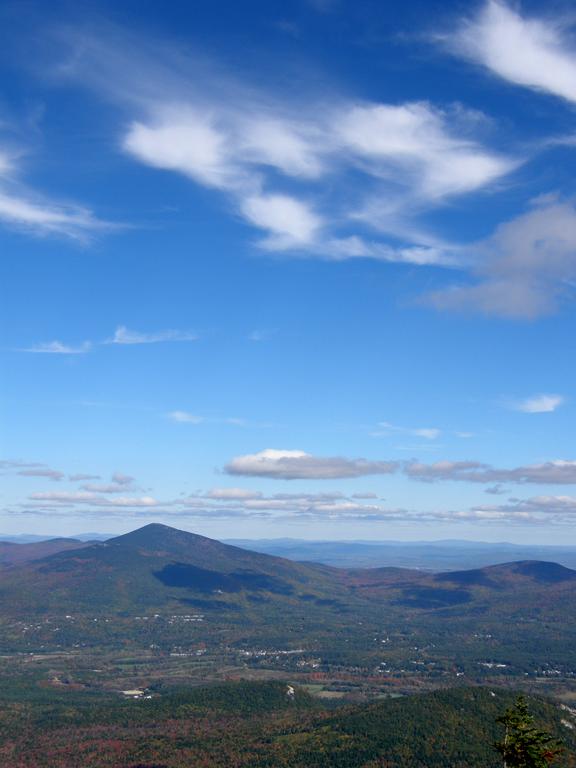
{"x":540,"y":404}
{"x":59,"y":348}
{"x":103,"y":488}
{"x":292,"y":465}
{"x":385,"y":429}
{"x":526,"y":269}
{"x":232,"y":494}
{"x":184,"y":417}
{"x":94,"y":499}
{"x":53,"y":474}
{"x":558,"y":471}
{"x":416,"y":139}
{"x":121,"y":479}
{"x":234,"y":502}
{"x":185,"y":141}
{"x":19,"y":209}
{"x":28,"y":211}
{"x":291,"y":148}
{"x":312,"y":173}
{"x":291,"y":223}
{"x":529,"y":52}
{"x":123,"y":335}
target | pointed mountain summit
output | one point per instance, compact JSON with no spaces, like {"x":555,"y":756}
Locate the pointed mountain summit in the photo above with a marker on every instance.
{"x":158,"y":566}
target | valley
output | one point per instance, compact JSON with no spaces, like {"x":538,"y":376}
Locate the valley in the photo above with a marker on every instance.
{"x":183,"y":608}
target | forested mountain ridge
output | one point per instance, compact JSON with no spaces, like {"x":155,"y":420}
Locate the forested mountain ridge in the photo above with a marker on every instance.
{"x":268,"y":725}
{"x":518,"y":616}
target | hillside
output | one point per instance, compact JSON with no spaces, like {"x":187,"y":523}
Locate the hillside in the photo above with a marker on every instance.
{"x":518,"y":618}
{"x":12,"y":552}
{"x":154,"y":567}
{"x":157,"y":566}
{"x":265,"y":725}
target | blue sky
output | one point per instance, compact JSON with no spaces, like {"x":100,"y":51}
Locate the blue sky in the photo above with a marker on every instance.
{"x":289,"y":269}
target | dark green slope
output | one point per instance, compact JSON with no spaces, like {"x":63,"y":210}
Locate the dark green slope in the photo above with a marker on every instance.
{"x":267,"y":725}
{"x":446,"y":729}
{"x":159,"y":569}
{"x":156,"y":567}
{"x":12,"y":553}
{"x":521,"y":585}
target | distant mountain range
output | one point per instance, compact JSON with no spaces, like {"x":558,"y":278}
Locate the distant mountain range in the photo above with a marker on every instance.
{"x":427,"y":555}
{"x":158,"y":567}
{"x":443,"y":555}
{"x":12,"y":553}
{"x":521,"y":612}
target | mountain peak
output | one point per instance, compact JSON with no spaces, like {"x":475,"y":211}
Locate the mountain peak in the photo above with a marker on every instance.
{"x":157,"y":534}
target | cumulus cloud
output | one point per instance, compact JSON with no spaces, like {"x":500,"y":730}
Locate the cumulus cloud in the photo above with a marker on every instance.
{"x":540,"y":404}
{"x":293,"y":465}
{"x":234,"y":503}
{"x":94,"y":500}
{"x":530,"y":52}
{"x":526,"y":269}
{"x":559,"y":471}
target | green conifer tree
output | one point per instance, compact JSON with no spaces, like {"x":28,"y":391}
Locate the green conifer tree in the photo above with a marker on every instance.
{"x":524,"y":745}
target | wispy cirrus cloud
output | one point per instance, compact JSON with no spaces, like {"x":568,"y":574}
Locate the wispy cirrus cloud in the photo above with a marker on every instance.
{"x":59,"y":348}
{"x":122,"y":336}
{"x":186,"y":417}
{"x":24,"y":209}
{"x":527,"y":51}
{"x":271,"y":155}
{"x":93,"y":499}
{"x":384,"y":429}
